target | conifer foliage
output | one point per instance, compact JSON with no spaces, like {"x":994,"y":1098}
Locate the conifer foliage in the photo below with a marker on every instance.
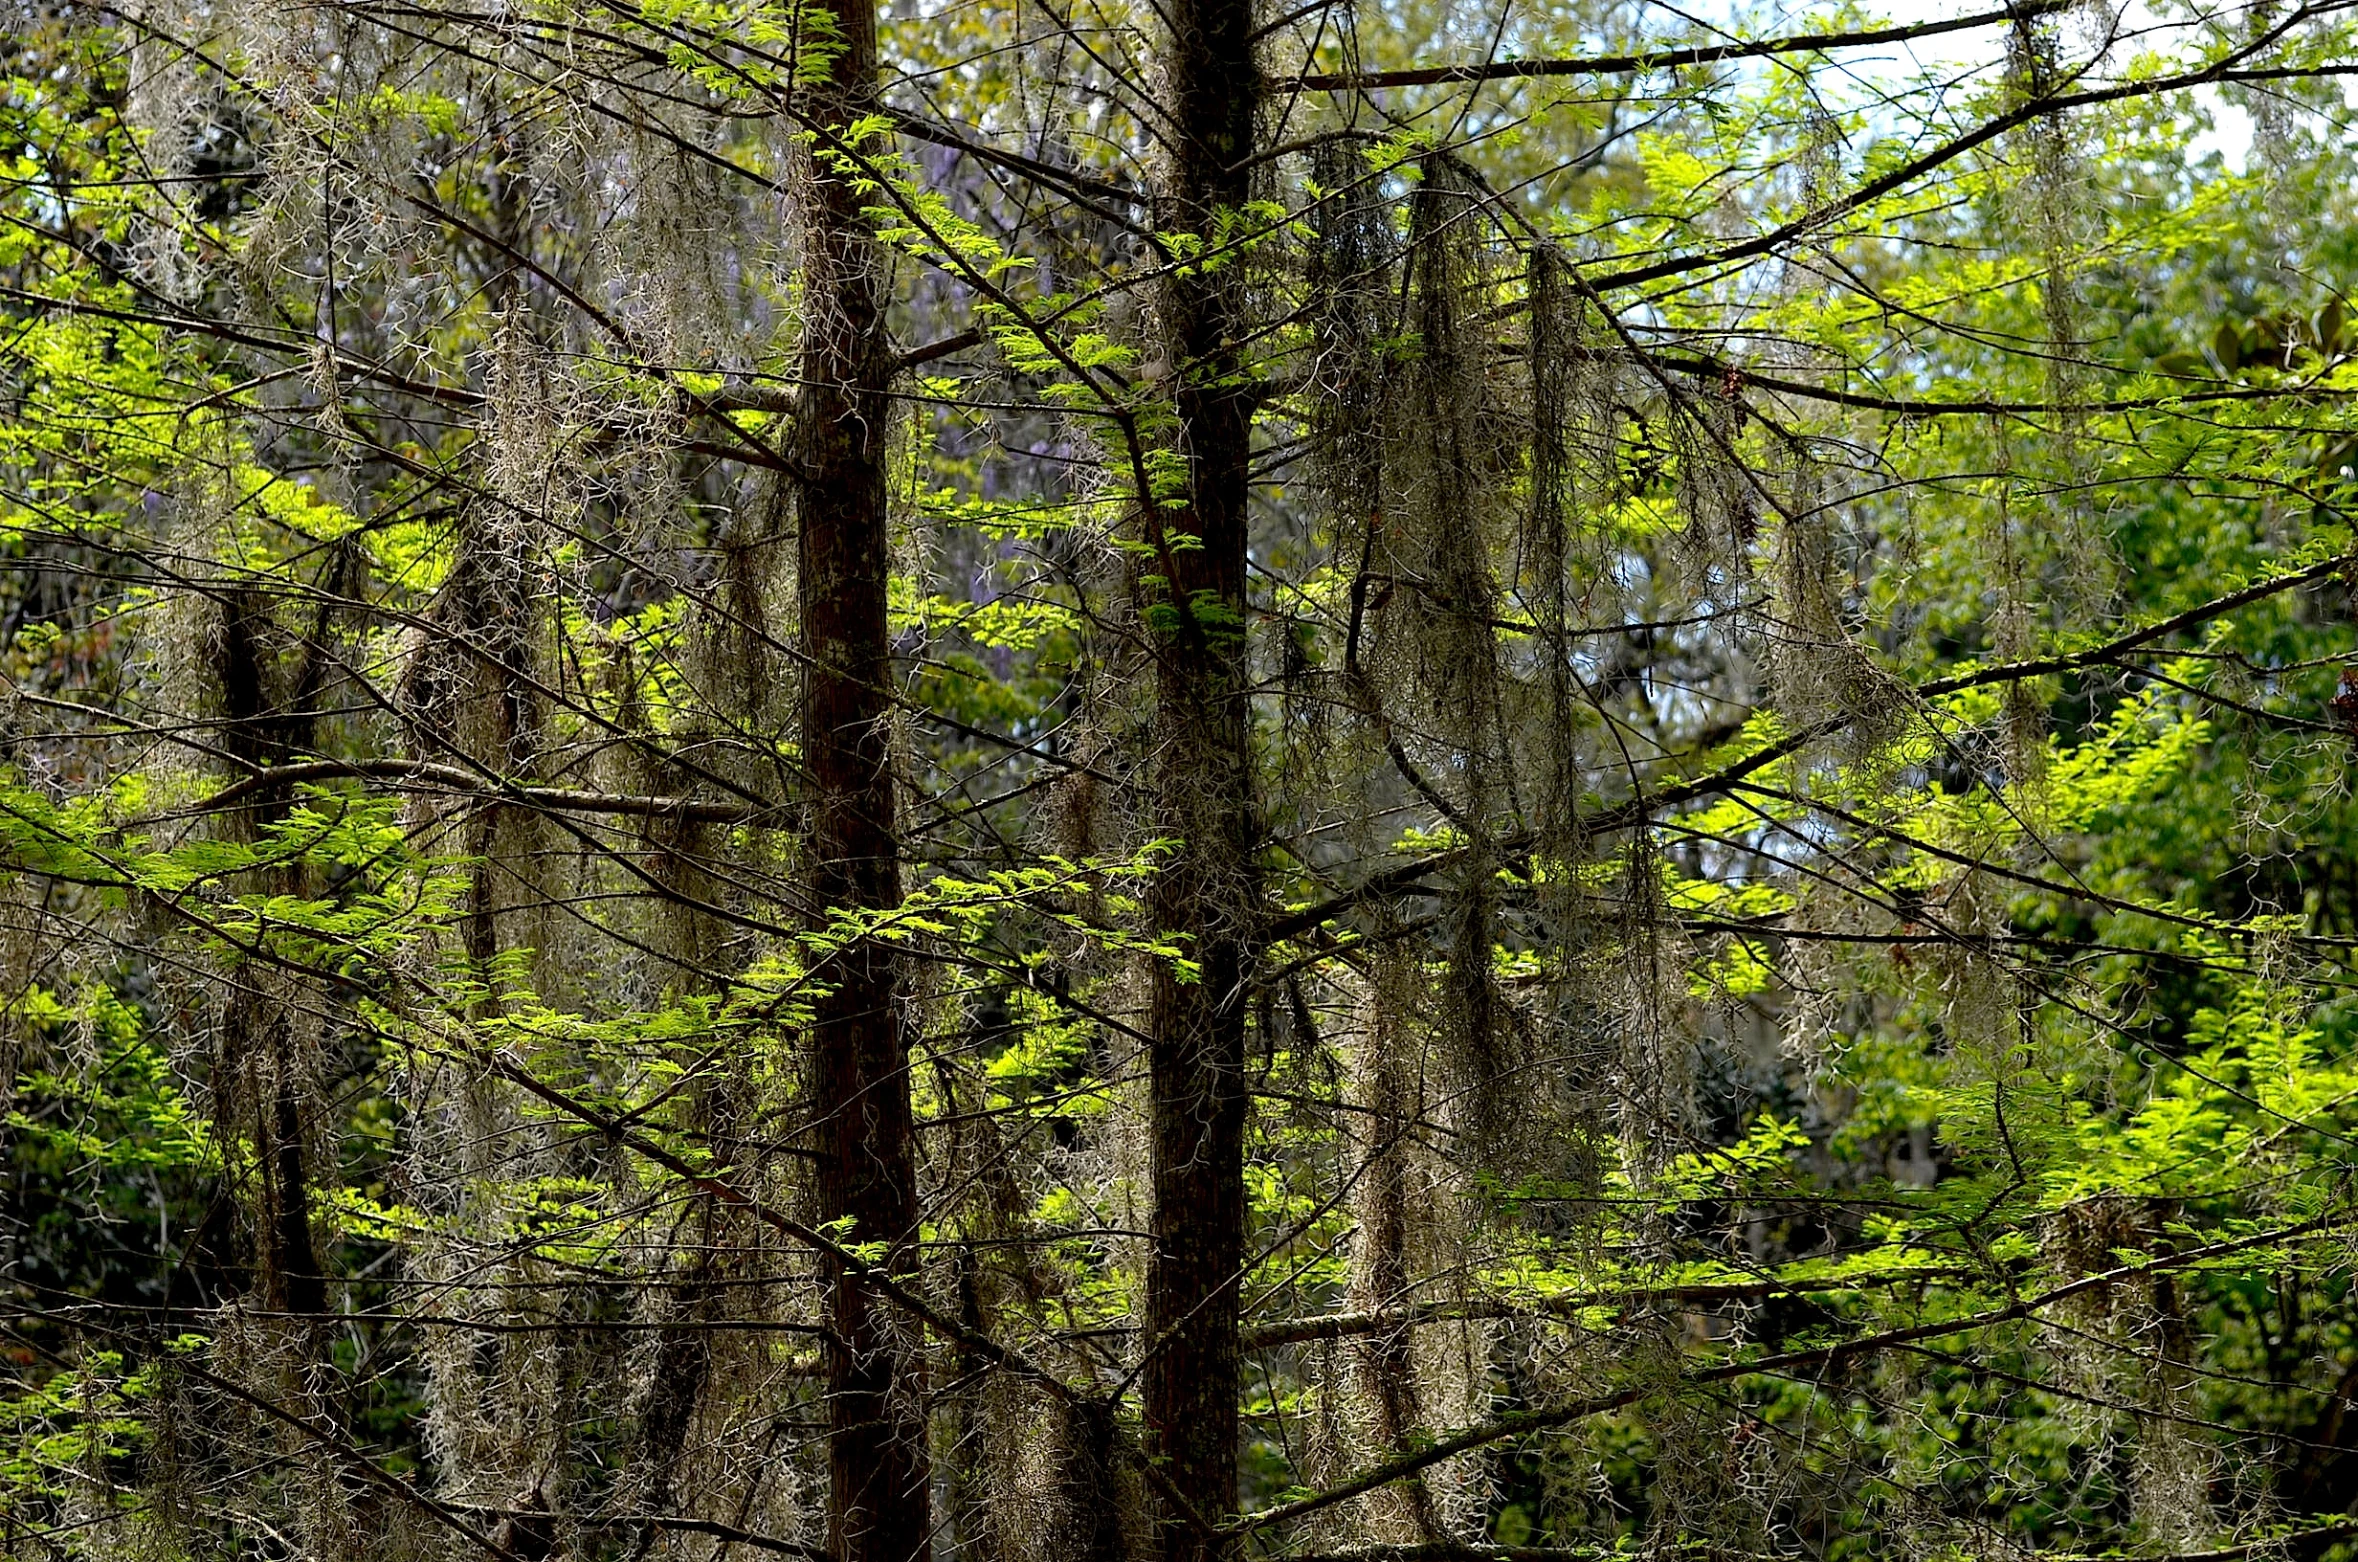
{"x":1002,"y":782}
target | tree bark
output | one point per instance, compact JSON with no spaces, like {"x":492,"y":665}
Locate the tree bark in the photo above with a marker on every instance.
{"x":1204,"y":899}
{"x":878,"y":1511}
{"x":264,"y":723}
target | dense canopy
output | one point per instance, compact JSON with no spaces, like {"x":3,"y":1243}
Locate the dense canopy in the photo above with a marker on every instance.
{"x":1079,"y":780}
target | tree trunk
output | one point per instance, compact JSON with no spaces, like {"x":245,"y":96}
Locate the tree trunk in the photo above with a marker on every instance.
{"x":264,"y":723}
{"x":1203,"y":900}
{"x":878,"y":1510}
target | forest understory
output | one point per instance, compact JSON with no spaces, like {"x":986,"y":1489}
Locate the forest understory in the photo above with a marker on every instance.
{"x":1178,"y":781}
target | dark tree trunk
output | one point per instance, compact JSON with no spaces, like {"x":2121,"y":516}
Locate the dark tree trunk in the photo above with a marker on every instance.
{"x":264,"y":724}
{"x":876,"y":1428}
{"x":1204,"y":898}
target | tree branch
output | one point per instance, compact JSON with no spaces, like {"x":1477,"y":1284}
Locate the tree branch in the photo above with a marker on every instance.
{"x":1666,"y":59}
{"x":1546,"y":1417}
{"x":1516,"y":849}
{"x":453,"y":778}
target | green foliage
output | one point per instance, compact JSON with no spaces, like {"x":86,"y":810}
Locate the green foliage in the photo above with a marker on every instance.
{"x":1806,"y":813}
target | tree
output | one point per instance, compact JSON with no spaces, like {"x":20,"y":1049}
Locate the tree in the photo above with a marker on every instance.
{"x":1186,"y":781}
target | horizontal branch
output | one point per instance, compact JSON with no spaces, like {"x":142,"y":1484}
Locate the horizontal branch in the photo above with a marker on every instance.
{"x":453,"y":778}
{"x":1664,"y":59}
{"x":1547,"y":1417}
{"x":1455,"y":1551}
{"x":1337,"y":1326}
{"x":1898,"y":178}
{"x":677,"y":1523}
{"x":1459,"y":1551}
{"x":1515,"y":849}
{"x":2044,"y":666}
{"x":1720,"y":371}
{"x":1072,"y":180}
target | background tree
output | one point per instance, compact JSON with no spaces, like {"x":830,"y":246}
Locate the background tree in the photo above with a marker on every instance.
{"x":1192,"y":781}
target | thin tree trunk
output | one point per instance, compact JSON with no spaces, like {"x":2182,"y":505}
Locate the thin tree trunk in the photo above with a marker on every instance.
{"x":265,"y":724}
{"x":1391,"y":1209}
{"x":878,"y":1510}
{"x":1203,"y":900}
